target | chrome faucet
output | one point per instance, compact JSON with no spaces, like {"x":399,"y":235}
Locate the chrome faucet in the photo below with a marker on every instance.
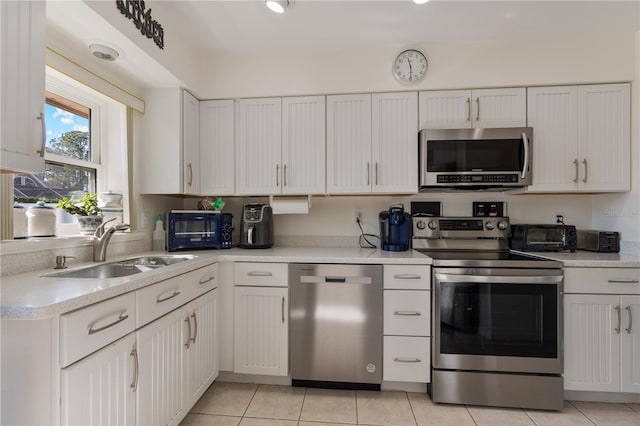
{"x":101,"y":239}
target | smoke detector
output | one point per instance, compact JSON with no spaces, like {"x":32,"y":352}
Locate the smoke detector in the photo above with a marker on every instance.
{"x":103,"y":52}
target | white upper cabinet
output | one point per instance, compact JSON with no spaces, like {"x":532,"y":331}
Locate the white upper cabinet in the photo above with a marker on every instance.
{"x":459,"y":109}
{"x":303,"y":145}
{"x":372,"y":143}
{"x":22,"y":80}
{"x":168,"y":155}
{"x":581,"y":139}
{"x":216,"y":147}
{"x":281,"y":146}
{"x":191,"y":143}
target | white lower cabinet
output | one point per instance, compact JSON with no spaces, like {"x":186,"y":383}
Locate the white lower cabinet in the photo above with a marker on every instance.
{"x":100,"y":389}
{"x":601,"y":341}
{"x":407,"y":324}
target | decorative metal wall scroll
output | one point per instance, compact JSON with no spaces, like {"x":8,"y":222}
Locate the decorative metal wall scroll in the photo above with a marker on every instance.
{"x":134,"y":10}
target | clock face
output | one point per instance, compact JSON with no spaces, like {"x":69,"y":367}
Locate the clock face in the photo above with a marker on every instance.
{"x":410,"y":66}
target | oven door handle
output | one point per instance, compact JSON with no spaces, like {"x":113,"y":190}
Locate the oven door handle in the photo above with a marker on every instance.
{"x":490,"y":279}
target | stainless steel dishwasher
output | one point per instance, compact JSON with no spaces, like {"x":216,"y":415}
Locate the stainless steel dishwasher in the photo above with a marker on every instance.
{"x":335,"y":326}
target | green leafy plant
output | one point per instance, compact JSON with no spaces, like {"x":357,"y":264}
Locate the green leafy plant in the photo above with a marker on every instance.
{"x":85,"y":206}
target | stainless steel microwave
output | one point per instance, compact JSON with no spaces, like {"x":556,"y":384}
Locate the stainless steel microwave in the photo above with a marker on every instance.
{"x":495,"y":159}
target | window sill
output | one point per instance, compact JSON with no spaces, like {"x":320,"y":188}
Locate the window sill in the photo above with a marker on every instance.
{"x":67,"y":241}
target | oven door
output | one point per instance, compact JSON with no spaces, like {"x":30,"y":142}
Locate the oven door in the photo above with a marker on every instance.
{"x":505,"y":320}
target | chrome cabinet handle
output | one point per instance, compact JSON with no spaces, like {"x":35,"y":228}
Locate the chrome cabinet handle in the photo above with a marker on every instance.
{"x":368,"y":173}
{"x":617,"y":330}
{"x":376,"y":172}
{"x":285,"y":175}
{"x":586,"y":170}
{"x":136,"y":374}
{"x":44,"y":134}
{"x":259,"y":274}
{"x":631,"y":281}
{"x":575,"y":163}
{"x":211,"y":278}
{"x":188,"y":343}
{"x":477,"y":109}
{"x":468,"y":109}
{"x":399,"y":359}
{"x":277,"y":174}
{"x":190,"y":174}
{"x":408,"y":313}
{"x":174,"y":294}
{"x":525,"y":166}
{"x":121,"y":317}
{"x":407,"y":277}
{"x":283,"y":309}
{"x":195,"y":327}
{"x":628,"y":329}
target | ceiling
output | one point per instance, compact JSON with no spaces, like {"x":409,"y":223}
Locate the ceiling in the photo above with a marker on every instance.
{"x":243,"y":26}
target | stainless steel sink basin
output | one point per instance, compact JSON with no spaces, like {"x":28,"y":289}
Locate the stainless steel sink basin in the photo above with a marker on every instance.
{"x":123,"y":268}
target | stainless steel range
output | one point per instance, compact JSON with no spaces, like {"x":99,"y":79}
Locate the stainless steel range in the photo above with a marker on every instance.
{"x":497,"y":316}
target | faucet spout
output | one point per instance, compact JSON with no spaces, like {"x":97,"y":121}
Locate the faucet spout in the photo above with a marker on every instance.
{"x":101,"y":238}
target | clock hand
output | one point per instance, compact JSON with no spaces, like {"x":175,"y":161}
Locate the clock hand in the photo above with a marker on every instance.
{"x":410,"y":69}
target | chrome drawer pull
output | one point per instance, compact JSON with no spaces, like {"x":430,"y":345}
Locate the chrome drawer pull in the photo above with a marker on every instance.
{"x":211,"y":278}
{"x":617,"y":308}
{"x":397,"y":359}
{"x":628,"y":330}
{"x":136,"y":375}
{"x":631,"y":281}
{"x":42,"y":150}
{"x":260,"y":274}
{"x":195,"y":327}
{"x":121,"y":318}
{"x":188,"y":344}
{"x":160,"y":299}
{"x":408,"y":313}
{"x":575,"y":163}
{"x":407,"y":277}
{"x":283,"y":309}
{"x":468,"y":109}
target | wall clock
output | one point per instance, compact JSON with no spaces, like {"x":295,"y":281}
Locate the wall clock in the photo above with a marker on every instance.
{"x":410,"y":66}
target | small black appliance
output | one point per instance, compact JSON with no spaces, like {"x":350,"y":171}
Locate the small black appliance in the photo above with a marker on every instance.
{"x":395,"y":228}
{"x":535,"y":237}
{"x":198,"y":230}
{"x":256,"y":226}
{"x":600,"y":241}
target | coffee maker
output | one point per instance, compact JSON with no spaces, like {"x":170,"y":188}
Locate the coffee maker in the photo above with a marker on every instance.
{"x":395,"y":228}
{"x":256,"y":226}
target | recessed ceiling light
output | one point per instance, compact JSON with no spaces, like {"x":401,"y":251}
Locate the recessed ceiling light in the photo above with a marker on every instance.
{"x":420,"y":1}
{"x":103,"y":52}
{"x":279,"y":6}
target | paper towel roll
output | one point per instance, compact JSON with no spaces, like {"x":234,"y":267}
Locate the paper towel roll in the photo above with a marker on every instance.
{"x":290,"y":206}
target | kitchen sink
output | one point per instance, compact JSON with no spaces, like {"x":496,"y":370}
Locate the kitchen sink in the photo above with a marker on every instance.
{"x":123,"y":268}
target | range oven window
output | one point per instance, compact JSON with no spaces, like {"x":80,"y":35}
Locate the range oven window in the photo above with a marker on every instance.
{"x":502,"y":155}
{"x":498,"y":319}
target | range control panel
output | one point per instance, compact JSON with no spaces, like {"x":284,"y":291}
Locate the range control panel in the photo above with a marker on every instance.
{"x":461,"y":227}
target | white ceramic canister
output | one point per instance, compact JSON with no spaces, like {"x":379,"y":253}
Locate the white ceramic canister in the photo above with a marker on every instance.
{"x":41,"y":221}
{"x":20,"y":222}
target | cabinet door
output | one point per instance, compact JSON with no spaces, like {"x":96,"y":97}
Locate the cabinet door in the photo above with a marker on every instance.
{"x":258,"y":168}
{"x":261,"y":330}
{"x":445,"y":109}
{"x":349,"y":165}
{"x":22,"y":80}
{"x":191,"y":143}
{"x":202,"y":355}
{"x":394,"y":146}
{"x":216,"y":147}
{"x":100,"y":389}
{"x":161,"y":344}
{"x":630,"y":344}
{"x":604,"y":134}
{"x":592,"y":346}
{"x":303,"y":145}
{"x":499,"y":107}
{"x":553,"y":114}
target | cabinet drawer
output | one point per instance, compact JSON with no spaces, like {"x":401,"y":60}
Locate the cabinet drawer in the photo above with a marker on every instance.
{"x":602,"y":280}
{"x":406,"y":359}
{"x":261,"y":274}
{"x":407,"y":277}
{"x":89,"y":329}
{"x":407,"y":312}
{"x":158,"y":299}
{"x":204,"y":279}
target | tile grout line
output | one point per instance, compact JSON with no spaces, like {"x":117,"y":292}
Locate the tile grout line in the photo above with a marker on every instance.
{"x":470,"y":415}
{"x":580,"y":411}
{"x":415,"y":420}
{"x":244,"y":413}
{"x":304,"y":397}
{"x":355,"y":392}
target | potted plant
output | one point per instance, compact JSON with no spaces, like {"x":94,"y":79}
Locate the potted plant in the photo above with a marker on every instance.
{"x":85,"y":209}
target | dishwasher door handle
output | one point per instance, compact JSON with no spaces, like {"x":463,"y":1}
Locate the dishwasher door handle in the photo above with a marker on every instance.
{"x":320,"y":279}
{"x":335,"y":279}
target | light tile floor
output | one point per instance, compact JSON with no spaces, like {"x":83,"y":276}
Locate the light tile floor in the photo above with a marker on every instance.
{"x":242,"y":404}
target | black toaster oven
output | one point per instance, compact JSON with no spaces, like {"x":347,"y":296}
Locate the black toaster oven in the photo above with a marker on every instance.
{"x":532,"y":237}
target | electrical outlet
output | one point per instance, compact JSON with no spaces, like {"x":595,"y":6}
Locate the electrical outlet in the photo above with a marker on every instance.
{"x":558,"y":217}
{"x":358,"y":216}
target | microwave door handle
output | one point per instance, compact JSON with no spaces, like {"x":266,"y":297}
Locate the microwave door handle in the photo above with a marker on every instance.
{"x":250,"y":235}
{"x":525,"y":166}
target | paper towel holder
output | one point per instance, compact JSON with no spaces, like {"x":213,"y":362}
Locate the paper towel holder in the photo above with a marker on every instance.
{"x":272,"y":198}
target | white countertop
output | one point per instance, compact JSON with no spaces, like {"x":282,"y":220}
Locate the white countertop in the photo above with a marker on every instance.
{"x":586,"y":259}
{"x":33,"y":296}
